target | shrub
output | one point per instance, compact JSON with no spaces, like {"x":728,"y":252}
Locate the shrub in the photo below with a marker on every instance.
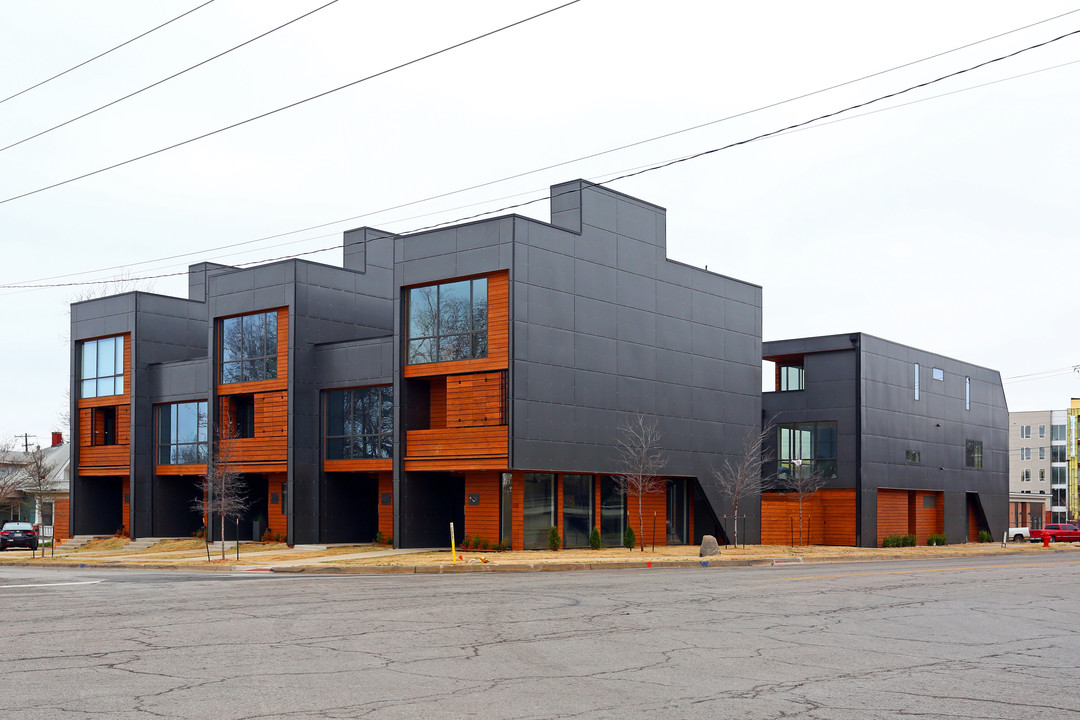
{"x":380,"y":539}
{"x":484,"y":544}
{"x":267,"y":536}
{"x":200,"y":533}
{"x":501,"y":546}
{"x":554,"y":541}
{"x":985,"y":536}
{"x":891,"y":541}
{"x":594,"y":538}
{"x":937,"y":539}
{"x":628,"y":539}
{"x":277,"y":537}
{"x":907,"y":541}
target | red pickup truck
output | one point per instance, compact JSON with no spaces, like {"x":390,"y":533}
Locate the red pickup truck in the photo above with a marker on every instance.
{"x":1057,"y":531}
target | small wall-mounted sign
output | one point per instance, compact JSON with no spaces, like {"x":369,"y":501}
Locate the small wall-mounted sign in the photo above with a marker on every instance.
{"x":388,"y":498}
{"x":474,"y":498}
{"x":274,"y":499}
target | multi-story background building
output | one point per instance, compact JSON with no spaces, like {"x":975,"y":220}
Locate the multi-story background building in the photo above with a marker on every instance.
{"x":1031,"y":467}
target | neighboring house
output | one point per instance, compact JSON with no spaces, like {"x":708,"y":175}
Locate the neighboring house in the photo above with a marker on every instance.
{"x":904,"y":440}
{"x":52,"y":508}
{"x":475,"y":374}
{"x":1037,"y":467}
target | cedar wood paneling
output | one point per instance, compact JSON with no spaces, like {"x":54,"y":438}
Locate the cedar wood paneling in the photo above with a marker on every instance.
{"x":828,"y":518}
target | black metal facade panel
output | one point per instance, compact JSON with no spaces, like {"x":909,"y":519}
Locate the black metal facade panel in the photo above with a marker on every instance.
{"x":179,"y":381}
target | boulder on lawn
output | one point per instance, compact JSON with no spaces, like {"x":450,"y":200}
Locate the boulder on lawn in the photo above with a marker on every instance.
{"x":709,"y":546}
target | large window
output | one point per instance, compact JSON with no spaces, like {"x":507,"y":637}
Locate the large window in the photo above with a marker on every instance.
{"x":448,"y":322}
{"x":973,"y":454}
{"x":360,"y":423}
{"x":612,"y":512}
{"x":1059,"y":453}
{"x":249,"y":348}
{"x":102,"y":367}
{"x":806,"y":449}
{"x":1057,"y":432}
{"x":539,"y":509}
{"x":577,"y":510}
{"x":182,"y":434}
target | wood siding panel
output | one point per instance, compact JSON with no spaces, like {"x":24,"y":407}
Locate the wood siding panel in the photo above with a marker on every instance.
{"x":459,"y":443}
{"x":365,"y":465}
{"x":828,"y":518}
{"x":61,"y":518}
{"x":483,"y":520}
{"x":653,"y":505}
{"x":498,"y":336}
{"x":474,"y":400}
{"x":270,"y":444}
{"x":928,"y":521}
{"x":892,"y":514}
{"x":437,"y":403}
{"x":276,"y":520}
{"x":386,"y":512}
{"x":125,"y":497}
{"x":195,"y":470}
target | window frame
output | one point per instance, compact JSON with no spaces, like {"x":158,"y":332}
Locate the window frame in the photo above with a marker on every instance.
{"x":248,"y":363}
{"x":202,"y":441}
{"x":115,"y":379}
{"x":427,"y":342}
{"x":786,"y":451}
{"x":382,"y":441}
{"x":973,"y":454}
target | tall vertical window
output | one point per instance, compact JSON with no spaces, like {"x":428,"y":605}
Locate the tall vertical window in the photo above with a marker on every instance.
{"x":249,"y":347}
{"x":1059,"y":453}
{"x":1025,"y":475}
{"x":103,"y":426}
{"x":448,"y":322}
{"x":1042,"y":474}
{"x":792,"y":377}
{"x":1042,"y":431}
{"x":1057,"y":432}
{"x":1025,"y":453}
{"x":1042,"y":453}
{"x":539,"y":509}
{"x":973,"y":453}
{"x":916,"y":381}
{"x":577,"y":510}
{"x":182,"y":436}
{"x":1025,"y":431}
{"x":506,"y":509}
{"x":612,"y":512}
{"x":102,"y":367}
{"x":967,"y":393}
{"x":360,"y":423}
{"x":806,"y":449}
{"x":678,"y":524}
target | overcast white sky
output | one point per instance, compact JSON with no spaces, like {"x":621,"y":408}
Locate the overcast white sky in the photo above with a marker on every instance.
{"x":949,"y":224}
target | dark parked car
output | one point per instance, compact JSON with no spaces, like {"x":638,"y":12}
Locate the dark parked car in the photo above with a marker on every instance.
{"x":18,"y":534}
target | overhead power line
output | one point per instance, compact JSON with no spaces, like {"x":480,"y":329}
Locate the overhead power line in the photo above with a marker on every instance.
{"x":167,"y":79}
{"x":646,"y":169}
{"x":101,"y":55}
{"x":601,"y":153}
{"x":292,"y":105}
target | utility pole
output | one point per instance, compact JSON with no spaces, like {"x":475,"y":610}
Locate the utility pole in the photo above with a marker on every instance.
{"x":26,"y":441}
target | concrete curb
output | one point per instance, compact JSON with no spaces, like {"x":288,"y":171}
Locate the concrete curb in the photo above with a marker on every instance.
{"x":466,"y":568}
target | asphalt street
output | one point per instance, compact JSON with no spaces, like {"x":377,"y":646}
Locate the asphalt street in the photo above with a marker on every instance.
{"x":956,"y":638}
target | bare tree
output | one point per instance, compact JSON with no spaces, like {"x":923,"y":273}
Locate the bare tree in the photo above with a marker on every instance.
{"x":38,"y":479}
{"x":747,"y":475}
{"x":802,"y":481}
{"x":222,"y":490}
{"x":641,"y":459}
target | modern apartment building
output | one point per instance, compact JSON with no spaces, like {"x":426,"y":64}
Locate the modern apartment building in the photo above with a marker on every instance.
{"x":904,"y":441}
{"x":1034,"y":467}
{"x":477,"y":374}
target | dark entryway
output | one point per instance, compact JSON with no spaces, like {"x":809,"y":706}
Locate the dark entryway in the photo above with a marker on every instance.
{"x":100,"y":506}
{"x":351,"y":508}
{"x":429,"y":502}
{"x":175,"y":514}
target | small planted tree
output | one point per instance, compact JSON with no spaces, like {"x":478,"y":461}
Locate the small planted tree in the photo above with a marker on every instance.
{"x":747,"y":475}
{"x":223,"y":492}
{"x":800,"y":484}
{"x":641,"y":460}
